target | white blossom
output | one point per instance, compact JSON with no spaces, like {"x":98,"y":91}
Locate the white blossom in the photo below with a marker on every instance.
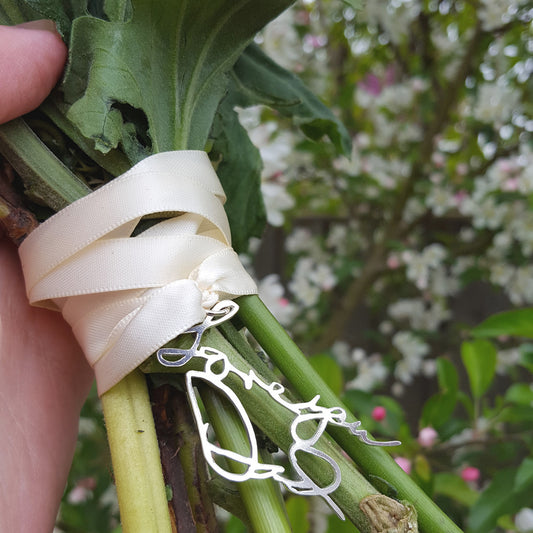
{"x":395,"y":18}
{"x":410,"y":345}
{"x":271,"y":291}
{"x":300,"y":240}
{"x":520,"y":288}
{"x":322,"y":276}
{"x":277,"y":200}
{"x":413,"y":350}
{"x":341,"y":352}
{"x":370,"y":373}
{"x":440,"y":200}
{"x":282,"y":42}
{"x":495,"y":103}
{"x":524,"y":520}
{"x":494,"y":13}
{"x":507,"y":359}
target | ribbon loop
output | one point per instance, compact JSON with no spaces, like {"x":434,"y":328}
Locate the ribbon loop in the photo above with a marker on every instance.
{"x":126,"y":297}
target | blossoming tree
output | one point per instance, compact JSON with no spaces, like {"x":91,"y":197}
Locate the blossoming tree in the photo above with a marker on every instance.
{"x":390,"y":256}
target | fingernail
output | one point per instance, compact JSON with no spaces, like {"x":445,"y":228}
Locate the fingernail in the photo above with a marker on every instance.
{"x":42,"y":24}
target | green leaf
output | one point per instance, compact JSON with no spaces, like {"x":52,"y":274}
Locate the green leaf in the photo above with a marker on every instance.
{"x":454,"y":487}
{"x":479,"y":358}
{"x":422,"y":468}
{"x":239,"y":171}
{"x":153,"y":82}
{"x":508,"y":492}
{"x":355,"y":4}
{"x":62,"y":12}
{"x":438,"y":409}
{"x":524,"y":476}
{"x":383,"y":486}
{"x":329,"y":371}
{"x":336,"y":525}
{"x":526,"y":356}
{"x":234,"y":525}
{"x":520,"y":393}
{"x":447,"y":376}
{"x":515,"y":323}
{"x":257,"y":79}
{"x":297,"y":510}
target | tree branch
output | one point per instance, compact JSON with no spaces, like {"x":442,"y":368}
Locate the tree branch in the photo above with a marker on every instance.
{"x":359,"y":287}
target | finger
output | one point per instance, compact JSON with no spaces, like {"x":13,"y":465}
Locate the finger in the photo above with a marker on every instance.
{"x":32,"y":57}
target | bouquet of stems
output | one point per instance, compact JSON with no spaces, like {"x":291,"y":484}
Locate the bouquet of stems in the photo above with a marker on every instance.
{"x":147,"y":78}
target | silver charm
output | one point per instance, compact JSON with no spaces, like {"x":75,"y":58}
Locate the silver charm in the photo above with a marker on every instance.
{"x":304,"y":411}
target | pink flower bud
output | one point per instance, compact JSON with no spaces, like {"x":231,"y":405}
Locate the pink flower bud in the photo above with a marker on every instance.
{"x":404,"y":464}
{"x":470,"y":473}
{"x":379,"y":413}
{"x":393,"y":261}
{"x":427,"y":437}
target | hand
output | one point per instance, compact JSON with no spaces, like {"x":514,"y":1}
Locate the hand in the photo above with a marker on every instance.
{"x":44,"y":377}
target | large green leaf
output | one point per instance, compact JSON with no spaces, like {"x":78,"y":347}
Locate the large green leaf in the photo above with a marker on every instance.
{"x":257,"y":79}
{"x":479,"y":358}
{"x":518,"y":322}
{"x":151,"y":77}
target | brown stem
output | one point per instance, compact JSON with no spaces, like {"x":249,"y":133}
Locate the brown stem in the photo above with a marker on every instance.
{"x":183,"y":465}
{"x":16,"y":222}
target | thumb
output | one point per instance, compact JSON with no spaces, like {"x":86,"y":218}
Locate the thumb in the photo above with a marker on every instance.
{"x":32,"y":57}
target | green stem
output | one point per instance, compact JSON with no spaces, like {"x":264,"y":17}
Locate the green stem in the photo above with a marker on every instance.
{"x":44,"y":176}
{"x":372,"y":460}
{"x":135,"y":455}
{"x":275,"y":420}
{"x":262,"y":501}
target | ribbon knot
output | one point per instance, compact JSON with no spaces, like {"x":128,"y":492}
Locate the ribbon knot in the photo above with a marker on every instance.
{"x":126,"y":297}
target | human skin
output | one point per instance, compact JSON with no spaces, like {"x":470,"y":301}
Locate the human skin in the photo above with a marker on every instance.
{"x":44,"y":377}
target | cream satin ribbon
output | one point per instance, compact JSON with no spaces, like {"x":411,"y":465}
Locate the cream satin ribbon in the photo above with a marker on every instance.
{"x":126,"y":297}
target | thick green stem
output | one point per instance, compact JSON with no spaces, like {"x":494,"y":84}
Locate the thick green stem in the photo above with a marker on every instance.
{"x":372,"y":460}
{"x":263,"y":504}
{"x":135,"y":455}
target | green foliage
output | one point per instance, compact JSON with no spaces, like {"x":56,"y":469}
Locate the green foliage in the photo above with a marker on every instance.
{"x":438,"y":409}
{"x":329,"y":371}
{"x":239,"y":171}
{"x":508,"y":492}
{"x":479,"y":358}
{"x":175,"y":79}
{"x":297,"y":510}
{"x":518,"y":322}
{"x":259,"y":80}
{"x":454,"y":487}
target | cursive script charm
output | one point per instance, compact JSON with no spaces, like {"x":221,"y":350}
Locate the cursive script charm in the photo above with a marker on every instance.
{"x":217,"y":368}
